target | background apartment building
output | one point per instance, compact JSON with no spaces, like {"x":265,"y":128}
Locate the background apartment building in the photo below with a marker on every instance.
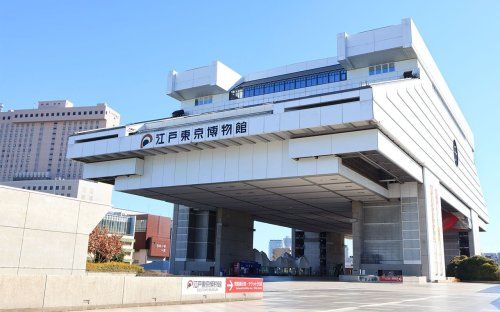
{"x":152,"y":238}
{"x":122,"y":223}
{"x":33,"y":146}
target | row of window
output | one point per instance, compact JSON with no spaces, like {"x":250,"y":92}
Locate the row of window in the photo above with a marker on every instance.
{"x":141,"y":225}
{"x":46,"y":188}
{"x":289,"y":84}
{"x":54,"y":114}
{"x":118,"y":224}
{"x":203,"y":100}
{"x":381,"y":69}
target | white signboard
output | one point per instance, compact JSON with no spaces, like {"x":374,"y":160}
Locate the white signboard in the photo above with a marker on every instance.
{"x":194,"y":134}
{"x":203,"y":285}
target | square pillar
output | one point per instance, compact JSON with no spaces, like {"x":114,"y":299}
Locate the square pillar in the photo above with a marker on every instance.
{"x":357,"y":235}
{"x":173,"y":241}
{"x":474,"y":247}
{"x":433,"y":259}
{"x":234,"y":239}
{"x":335,"y":252}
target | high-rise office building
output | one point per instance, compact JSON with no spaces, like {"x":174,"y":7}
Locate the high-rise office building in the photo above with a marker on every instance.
{"x":33,"y":141}
{"x":287,"y":242}
{"x":274,"y":244}
{"x":33,"y":147}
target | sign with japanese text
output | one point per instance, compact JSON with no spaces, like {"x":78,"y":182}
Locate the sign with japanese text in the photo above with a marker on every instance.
{"x":244,"y":285}
{"x":203,"y":285}
{"x":394,"y":276}
{"x":194,"y":134}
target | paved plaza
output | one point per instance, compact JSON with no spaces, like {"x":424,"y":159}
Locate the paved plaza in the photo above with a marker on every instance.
{"x":338,"y":296}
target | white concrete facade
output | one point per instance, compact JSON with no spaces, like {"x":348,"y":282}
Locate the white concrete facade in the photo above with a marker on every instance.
{"x":315,"y":146}
{"x":45,"y":234}
{"x":81,"y":189}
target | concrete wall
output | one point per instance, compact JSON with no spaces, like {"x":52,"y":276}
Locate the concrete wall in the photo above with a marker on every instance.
{"x":43,"y":233}
{"x":234,"y":238}
{"x":88,"y":291}
{"x":335,"y":251}
{"x":451,"y":246}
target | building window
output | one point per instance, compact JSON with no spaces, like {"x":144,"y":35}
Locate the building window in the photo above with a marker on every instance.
{"x":203,"y":100}
{"x":140,"y":225}
{"x":289,"y":84}
{"x":381,"y":69}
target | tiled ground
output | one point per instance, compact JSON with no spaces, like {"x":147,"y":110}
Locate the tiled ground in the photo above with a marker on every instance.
{"x":337,"y":296}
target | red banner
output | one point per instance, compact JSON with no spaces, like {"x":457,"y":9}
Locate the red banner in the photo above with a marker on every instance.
{"x":393,"y":279}
{"x":242,"y":285}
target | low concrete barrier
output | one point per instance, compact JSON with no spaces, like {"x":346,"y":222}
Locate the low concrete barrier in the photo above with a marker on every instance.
{"x":52,"y":292}
{"x":376,"y":279}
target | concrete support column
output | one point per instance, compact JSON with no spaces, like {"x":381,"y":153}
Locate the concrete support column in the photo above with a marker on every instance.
{"x":173,"y":241}
{"x":433,"y":228}
{"x":474,"y":247}
{"x":357,"y":235}
{"x":234,"y":238}
{"x":335,"y":252}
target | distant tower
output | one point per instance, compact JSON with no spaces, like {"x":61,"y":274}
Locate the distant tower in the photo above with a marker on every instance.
{"x":1,"y":107}
{"x":287,"y":242}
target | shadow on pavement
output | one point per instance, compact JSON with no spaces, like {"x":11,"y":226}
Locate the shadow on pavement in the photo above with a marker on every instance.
{"x":271,"y":279}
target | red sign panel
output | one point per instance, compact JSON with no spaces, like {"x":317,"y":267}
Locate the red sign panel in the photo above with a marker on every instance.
{"x":394,"y":276}
{"x":243,"y":285}
{"x":394,"y":279}
{"x":159,"y":247}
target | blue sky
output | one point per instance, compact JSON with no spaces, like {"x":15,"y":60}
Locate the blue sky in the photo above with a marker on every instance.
{"x":119,"y":52}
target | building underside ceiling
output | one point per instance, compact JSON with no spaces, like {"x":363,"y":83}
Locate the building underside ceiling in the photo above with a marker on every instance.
{"x":314,"y":203}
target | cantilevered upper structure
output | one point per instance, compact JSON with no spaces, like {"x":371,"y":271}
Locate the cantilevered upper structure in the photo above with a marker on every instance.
{"x":369,"y":144}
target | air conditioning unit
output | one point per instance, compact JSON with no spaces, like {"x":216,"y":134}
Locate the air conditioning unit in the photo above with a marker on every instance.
{"x":178,"y":113}
{"x":412,"y":74}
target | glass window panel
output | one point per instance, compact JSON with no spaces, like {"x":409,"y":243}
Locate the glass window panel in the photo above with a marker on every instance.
{"x":336,"y":76}
{"x":300,"y":83}
{"x":391,"y":67}
{"x":311,"y":81}
{"x":385,"y":68}
{"x":259,"y":90}
{"x":343,"y":75}
{"x":269,"y":88}
{"x":378,"y":69}
{"x":247,"y":92}
{"x":279,"y":87}
{"x":331,"y":77}
{"x":290,"y":84}
{"x":371,"y":70}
